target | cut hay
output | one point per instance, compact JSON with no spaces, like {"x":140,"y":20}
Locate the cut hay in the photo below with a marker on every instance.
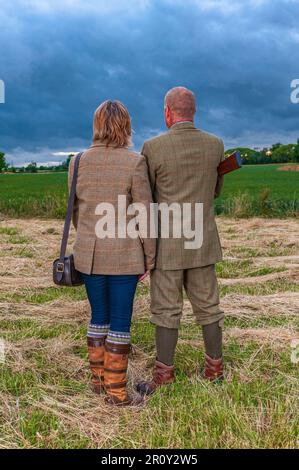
{"x":289,"y":168}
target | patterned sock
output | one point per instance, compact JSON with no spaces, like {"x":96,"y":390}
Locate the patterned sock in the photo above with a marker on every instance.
{"x":119,"y":337}
{"x":97,"y":331}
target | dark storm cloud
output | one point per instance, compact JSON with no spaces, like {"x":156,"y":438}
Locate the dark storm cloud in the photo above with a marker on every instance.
{"x":60,"y":59}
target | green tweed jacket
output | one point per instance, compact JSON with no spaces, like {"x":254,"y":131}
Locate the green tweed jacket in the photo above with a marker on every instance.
{"x":182,"y":167}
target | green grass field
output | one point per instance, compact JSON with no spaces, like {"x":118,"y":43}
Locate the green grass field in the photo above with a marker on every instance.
{"x":253,"y":190}
{"x":40,"y":195}
{"x":262,"y":189}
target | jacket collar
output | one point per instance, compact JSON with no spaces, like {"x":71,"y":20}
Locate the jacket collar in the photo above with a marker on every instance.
{"x":182,"y":125}
{"x":97,"y":143}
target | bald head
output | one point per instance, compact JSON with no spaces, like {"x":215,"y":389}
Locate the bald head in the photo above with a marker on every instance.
{"x":181,"y":103}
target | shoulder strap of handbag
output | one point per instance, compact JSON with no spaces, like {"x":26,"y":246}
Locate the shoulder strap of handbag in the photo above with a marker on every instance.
{"x":69,"y":211}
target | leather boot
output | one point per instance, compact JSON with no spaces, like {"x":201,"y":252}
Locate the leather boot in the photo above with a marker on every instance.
{"x":115,"y":373}
{"x":163,"y":375}
{"x":96,"y":352}
{"x":213,"y":369}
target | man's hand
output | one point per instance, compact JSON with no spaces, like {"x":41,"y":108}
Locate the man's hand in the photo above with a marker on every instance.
{"x":143,"y":276}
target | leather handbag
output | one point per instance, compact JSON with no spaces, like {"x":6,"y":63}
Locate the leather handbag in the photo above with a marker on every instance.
{"x":64,"y":272}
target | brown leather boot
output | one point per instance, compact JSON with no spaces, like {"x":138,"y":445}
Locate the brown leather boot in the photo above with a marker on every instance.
{"x":213,"y":369}
{"x":163,"y":375}
{"x":96,"y":352}
{"x":115,"y":372}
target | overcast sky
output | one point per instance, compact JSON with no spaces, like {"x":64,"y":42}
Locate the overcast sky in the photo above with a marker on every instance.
{"x":60,"y":59}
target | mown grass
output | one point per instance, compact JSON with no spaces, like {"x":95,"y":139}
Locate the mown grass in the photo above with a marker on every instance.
{"x":256,"y":407}
{"x":262,"y":321}
{"x":25,"y":328}
{"x":244,"y":268}
{"x":40,"y":427}
{"x":45,"y":396}
{"x":49,"y":294}
{"x":271,"y":250}
{"x":253,"y":190}
{"x":19,"y":252}
{"x":192,"y":414}
{"x":43,"y":295}
{"x":265,"y":288}
{"x":253,"y":412}
{"x":8,"y":231}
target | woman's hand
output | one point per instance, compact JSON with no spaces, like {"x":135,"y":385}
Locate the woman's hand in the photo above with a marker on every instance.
{"x":143,"y":276}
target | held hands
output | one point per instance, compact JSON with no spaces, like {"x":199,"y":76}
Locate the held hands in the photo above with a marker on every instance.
{"x":143,"y":276}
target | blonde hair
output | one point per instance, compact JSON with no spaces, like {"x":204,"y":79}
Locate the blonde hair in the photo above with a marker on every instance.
{"x":112,"y":124}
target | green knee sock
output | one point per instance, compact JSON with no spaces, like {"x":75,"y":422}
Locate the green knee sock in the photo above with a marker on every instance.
{"x":166,"y":341}
{"x":212,"y":335}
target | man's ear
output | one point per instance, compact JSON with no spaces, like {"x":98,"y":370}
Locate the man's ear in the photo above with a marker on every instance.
{"x":167,"y":113}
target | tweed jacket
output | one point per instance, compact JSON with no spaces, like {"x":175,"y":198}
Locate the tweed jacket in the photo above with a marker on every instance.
{"x":104,"y":174}
{"x":182,"y":167}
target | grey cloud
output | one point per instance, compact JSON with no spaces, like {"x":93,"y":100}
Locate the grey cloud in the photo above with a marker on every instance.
{"x":59,"y":66}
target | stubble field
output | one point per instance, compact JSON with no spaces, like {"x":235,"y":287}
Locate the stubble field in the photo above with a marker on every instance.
{"x":44,"y":391}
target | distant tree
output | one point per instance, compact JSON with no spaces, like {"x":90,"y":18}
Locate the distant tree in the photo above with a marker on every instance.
{"x":65,"y":164}
{"x":276,"y":146}
{"x":296,"y":152}
{"x":248,"y":155}
{"x":283,"y":154}
{"x":31,"y":168}
{"x":278,"y":153}
{"x":3,"y":164}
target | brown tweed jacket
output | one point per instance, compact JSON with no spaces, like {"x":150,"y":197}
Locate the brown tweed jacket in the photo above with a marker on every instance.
{"x":183,"y":168}
{"x":104,"y":174}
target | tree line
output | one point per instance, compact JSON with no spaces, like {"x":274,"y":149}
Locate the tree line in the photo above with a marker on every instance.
{"x":278,"y":153}
{"x":32,"y":167}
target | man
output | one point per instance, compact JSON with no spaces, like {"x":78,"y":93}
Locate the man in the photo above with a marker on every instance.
{"x":183,"y":169}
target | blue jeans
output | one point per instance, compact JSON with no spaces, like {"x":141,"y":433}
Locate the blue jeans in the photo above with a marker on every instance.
{"x":111,"y":299}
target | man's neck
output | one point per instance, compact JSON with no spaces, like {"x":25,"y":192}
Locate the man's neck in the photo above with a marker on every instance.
{"x":180,"y":121}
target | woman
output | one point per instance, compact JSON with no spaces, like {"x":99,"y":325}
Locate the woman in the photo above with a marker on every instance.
{"x":110,"y":266}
